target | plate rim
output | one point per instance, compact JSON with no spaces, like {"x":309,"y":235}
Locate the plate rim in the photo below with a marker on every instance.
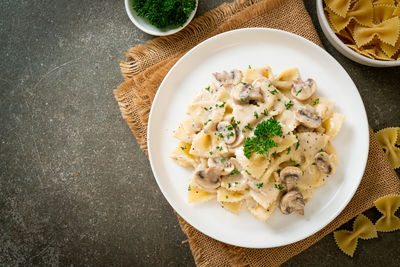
{"x":222,"y":35}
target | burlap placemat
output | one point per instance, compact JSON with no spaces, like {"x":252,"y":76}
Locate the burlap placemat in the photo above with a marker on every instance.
{"x":148,"y":64}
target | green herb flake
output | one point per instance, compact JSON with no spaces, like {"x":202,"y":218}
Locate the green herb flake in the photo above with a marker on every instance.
{"x":314,"y":163}
{"x":222,"y":105}
{"x":208,"y":88}
{"x":243,"y":99}
{"x":298,"y":92}
{"x":226,"y":197}
{"x":247,"y":172}
{"x":289,"y":105}
{"x":210,"y":152}
{"x":297,"y":144}
{"x":279,"y":99}
{"x":259,"y":185}
{"x":255,"y":115}
{"x":241,"y":83}
{"x":248,"y":127}
{"x":316,"y":102}
{"x":229,"y":185}
{"x":207,"y":122}
{"x":273,"y":92}
{"x":221,"y":135}
{"x":249,"y":67}
{"x":288,"y":150}
{"x":189,"y":188}
{"x":222,"y":159}
{"x":297,"y":165}
{"x":234,"y":172}
{"x":265,"y":112}
{"x":279,"y":187}
{"x":236,"y":182}
{"x":269,"y":85}
{"x":229,"y":127}
{"x":183,"y":147}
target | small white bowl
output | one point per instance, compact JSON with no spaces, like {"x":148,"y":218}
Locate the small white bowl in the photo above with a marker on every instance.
{"x":343,"y":49}
{"x":145,"y":26}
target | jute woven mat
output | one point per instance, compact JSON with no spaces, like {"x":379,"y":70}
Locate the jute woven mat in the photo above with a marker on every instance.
{"x":146,"y":67}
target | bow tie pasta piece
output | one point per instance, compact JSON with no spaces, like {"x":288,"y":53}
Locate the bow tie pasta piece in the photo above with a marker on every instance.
{"x":390,"y":50}
{"x":339,"y":7}
{"x":347,"y":240}
{"x":388,"y":205}
{"x":361,"y":12}
{"x":196,"y":194}
{"x":284,"y":81}
{"x":388,"y":138}
{"x":383,"y":12}
{"x":384,"y":2}
{"x":233,"y":207}
{"x":259,"y":211}
{"x":181,"y":155}
{"x":386,"y":31}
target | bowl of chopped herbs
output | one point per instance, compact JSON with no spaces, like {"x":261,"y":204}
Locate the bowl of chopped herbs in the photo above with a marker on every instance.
{"x":161,"y":17}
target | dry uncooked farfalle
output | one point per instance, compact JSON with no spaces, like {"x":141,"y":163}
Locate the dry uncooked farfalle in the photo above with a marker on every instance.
{"x":347,"y":240}
{"x":339,"y":7}
{"x":389,"y":139}
{"x":361,"y":12}
{"x":386,"y":31}
{"x":388,"y":205}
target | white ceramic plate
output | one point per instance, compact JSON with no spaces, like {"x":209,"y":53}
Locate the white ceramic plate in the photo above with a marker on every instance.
{"x":280,"y":50}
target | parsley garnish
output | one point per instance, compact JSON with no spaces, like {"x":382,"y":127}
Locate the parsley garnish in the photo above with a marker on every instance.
{"x":222,"y":105}
{"x":259,"y":185}
{"x":222,"y":159}
{"x":269,"y":85}
{"x":316,"y":102}
{"x":226,"y":197}
{"x":298,"y":92}
{"x":189,"y":188}
{"x":207,"y":121}
{"x":279,"y":99}
{"x":273,"y":92}
{"x":234,"y":172}
{"x":249,"y":67}
{"x":243,"y":99}
{"x":229,"y":127}
{"x":183,"y":148}
{"x":297,"y":144}
{"x":248,"y":127}
{"x":236,"y":182}
{"x":241,"y":83}
{"x":247,"y":172}
{"x":229,"y":185}
{"x":238,"y":122}
{"x":221,"y":135}
{"x":265,"y":112}
{"x":208,"y":88}
{"x":261,"y":142}
{"x":314,"y":163}
{"x":279,"y":187}
{"x":297,"y":165}
{"x":232,"y":119}
{"x":210,"y":152}
{"x":289,"y":105}
{"x":288,"y":150}
{"x":255,"y":115}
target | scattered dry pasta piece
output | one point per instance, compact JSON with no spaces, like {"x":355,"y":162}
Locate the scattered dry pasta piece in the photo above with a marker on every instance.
{"x":347,"y":240}
{"x":339,"y":7}
{"x":388,"y":205}
{"x":388,"y":138}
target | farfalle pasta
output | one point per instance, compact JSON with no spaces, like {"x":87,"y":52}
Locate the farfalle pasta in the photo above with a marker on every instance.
{"x":371,"y":28}
{"x":347,"y":241}
{"x":389,"y":140}
{"x":258,"y":140}
{"x":388,"y":205}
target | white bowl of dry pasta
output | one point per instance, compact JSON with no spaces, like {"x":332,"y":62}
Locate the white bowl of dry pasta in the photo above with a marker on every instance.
{"x":364,"y":31}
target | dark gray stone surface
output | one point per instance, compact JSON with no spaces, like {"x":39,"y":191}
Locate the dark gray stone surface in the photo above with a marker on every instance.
{"x":75,"y":189}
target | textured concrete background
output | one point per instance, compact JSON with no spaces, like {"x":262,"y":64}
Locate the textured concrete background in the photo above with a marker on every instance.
{"x":74,"y":186}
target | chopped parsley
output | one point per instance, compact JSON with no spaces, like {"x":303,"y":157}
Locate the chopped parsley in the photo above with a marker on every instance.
{"x":247,"y":172}
{"x":243,"y":99}
{"x":265,"y":112}
{"x":321,"y":150}
{"x":230,"y":134}
{"x":183,"y":147}
{"x":189,"y":188}
{"x":316,"y":102}
{"x":297,"y":165}
{"x":269,"y":85}
{"x":298,"y":92}
{"x":248,"y":127}
{"x":241,"y":83}
{"x":273,"y":92}
{"x":219,"y":148}
{"x":279,"y":187}
{"x":314,"y":163}
{"x":210,"y":152}
{"x":262,"y":142}
{"x":222,"y":105}
{"x":259,"y":185}
{"x":221,"y":135}
{"x":229,"y":185}
{"x":236,"y":182}
{"x":289,"y":105}
{"x":297,"y":144}
{"x":229,"y":127}
{"x":207,"y":122}
{"x":233,"y":119}
{"x":288,"y":150}
{"x":278,"y":171}
{"x":249,"y":67}
{"x":222,"y":159}
{"x":292,"y":161}
{"x":238,"y":122}
{"x":208,"y":88}
{"x":279,"y":99}
{"x":234,"y":172}
{"x":255,"y":115}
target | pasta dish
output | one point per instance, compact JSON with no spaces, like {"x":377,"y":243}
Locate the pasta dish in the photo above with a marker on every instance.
{"x":258,"y":140}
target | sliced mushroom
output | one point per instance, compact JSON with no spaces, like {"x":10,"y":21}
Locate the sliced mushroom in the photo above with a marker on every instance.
{"x":208,"y":179}
{"x":303,"y":90}
{"x":239,"y":138}
{"x":292,"y":201}
{"x":232,"y":77}
{"x":225,"y":165}
{"x":324,"y":163}
{"x":289,"y":176}
{"x":243,"y":93}
{"x":307,"y":116}
{"x":228,"y":132}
